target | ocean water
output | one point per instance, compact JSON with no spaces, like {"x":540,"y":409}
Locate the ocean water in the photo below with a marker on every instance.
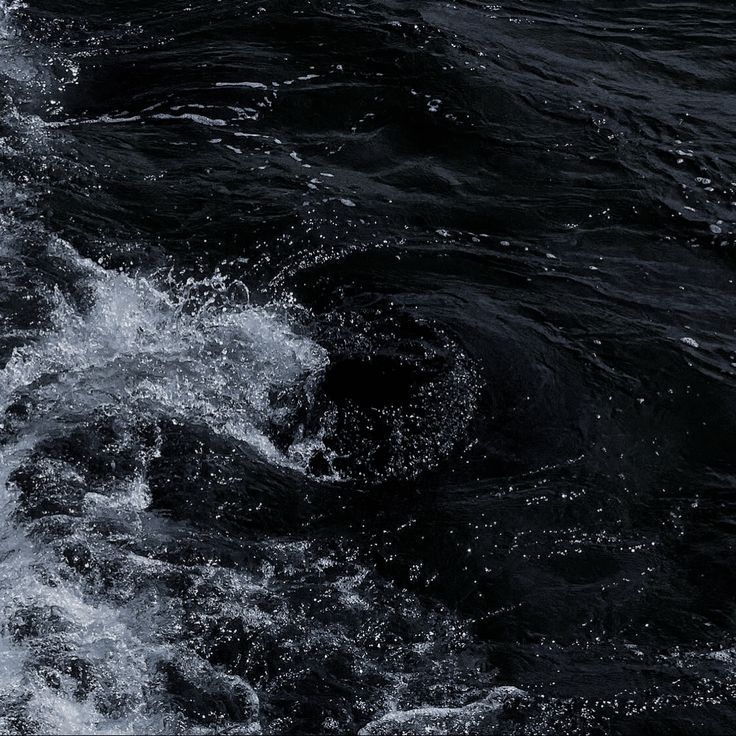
{"x":367,"y":367}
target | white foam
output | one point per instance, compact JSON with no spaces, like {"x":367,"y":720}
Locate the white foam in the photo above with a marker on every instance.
{"x":95,"y":631}
{"x":475,"y":718}
{"x":139,"y":352}
{"x":193,"y":117}
{"x":251,"y":85}
{"x":160,"y":354}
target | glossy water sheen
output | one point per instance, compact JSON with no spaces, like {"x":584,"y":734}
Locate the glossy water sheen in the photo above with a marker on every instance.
{"x":367,"y":365}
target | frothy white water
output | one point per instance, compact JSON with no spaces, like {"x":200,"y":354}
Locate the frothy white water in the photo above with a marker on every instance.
{"x":135,"y":353}
{"x":14,"y":63}
{"x":49,"y":627}
{"x":143,"y":350}
{"x":476,"y":718}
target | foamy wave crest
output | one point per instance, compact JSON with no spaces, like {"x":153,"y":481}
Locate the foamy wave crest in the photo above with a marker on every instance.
{"x":140,"y":349}
{"x":133,"y":353}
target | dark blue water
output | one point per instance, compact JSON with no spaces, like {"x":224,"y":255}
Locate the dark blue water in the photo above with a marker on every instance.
{"x":367,"y":366}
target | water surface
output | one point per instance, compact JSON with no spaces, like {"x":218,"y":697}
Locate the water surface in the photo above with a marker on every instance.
{"x":367,"y":365}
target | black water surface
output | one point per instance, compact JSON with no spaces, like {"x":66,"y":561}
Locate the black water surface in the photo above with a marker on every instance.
{"x":506,"y":234}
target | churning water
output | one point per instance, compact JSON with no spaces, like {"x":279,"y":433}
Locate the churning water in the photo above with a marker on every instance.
{"x":367,"y":367}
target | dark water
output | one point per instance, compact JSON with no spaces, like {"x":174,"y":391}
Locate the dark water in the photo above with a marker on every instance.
{"x":368,"y":365}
